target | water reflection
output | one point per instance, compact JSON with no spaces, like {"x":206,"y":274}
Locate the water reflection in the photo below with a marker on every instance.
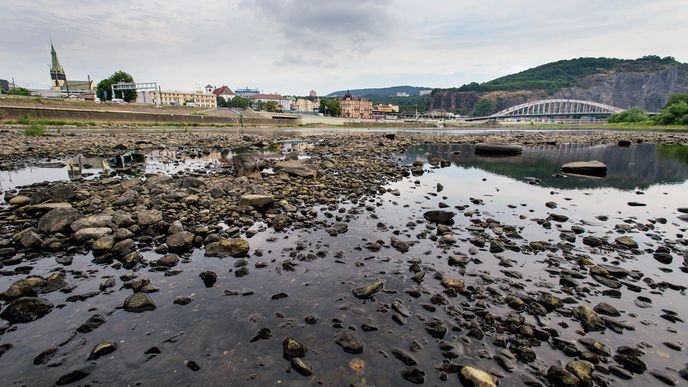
{"x":639,"y":166}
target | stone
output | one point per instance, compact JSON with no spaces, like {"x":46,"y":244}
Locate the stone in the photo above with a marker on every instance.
{"x":337,"y":228}
{"x":180,"y":241}
{"x":19,"y":200}
{"x":227,"y":247}
{"x":589,"y":319}
{"x":57,"y":220}
{"x":299,"y":168}
{"x":400,"y":244}
{"x":498,"y":149}
{"x":139,"y":302}
{"x":92,"y":221}
{"x":89,"y":233}
{"x":132,"y":259}
{"x":414,"y":375}
{"x":26,"y":309}
{"x":103,"y":243}
{"x":560,"y":377}
{"x":454,"y":284}
{"x":471,"y":376}
{"x":627,"y":242}
{"x":148,"y":217}
{"x":167,"y":260}
{"x":301,"y":366}
{"x":350,"y":341}
{"x":292,"y":349}
{"x":369,"y":290}
{"x":259,"y":202}
{"x":439,"y":216}
{"x":606,"y":309}
{"x":30,"y":239}
{"x":435,"y":327}
{"x":245,"y":165}
{"x":102,"y":349}
{"x":209,"y":278}
{"x":587,"y":168}
{"x":593,"y":241}
{"x":582,"y":370}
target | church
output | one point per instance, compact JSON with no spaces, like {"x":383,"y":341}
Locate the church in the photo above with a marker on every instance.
{"x":62,"y":84}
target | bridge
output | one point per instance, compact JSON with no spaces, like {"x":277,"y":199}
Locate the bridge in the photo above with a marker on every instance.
{"x":553,"y":108}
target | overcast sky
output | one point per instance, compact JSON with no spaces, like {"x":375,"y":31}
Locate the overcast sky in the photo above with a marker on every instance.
{"x":293,"y":46}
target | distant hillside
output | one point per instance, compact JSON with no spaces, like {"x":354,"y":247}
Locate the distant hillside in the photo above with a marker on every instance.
{"x":645,"y":82}
{"x":381,"y":92}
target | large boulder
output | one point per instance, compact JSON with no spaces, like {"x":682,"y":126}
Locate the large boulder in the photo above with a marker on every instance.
{"x":475,"y":377}
{"x":587,"y":168}
{"x":258,"y":202}
{"x":245,"y":165}
{"x":26,"y":309}
{"x":180,"y":240}
{"x":301,"y":168}
{"x":148,"y":217}
{"x":139,"y":302}
{"x":439,"y":216}
{"x":57,"y":220}
{"x":227,"y":247}
{"x":92,"y":221}
{"x":498,"y":149}
{"x":85,"y":234}
{"x":57,"y":192}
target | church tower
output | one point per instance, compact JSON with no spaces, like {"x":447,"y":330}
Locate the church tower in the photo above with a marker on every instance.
{"x":57,"y":74}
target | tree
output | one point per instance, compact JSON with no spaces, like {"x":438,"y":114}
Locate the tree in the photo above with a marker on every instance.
{"x":17,"y":91}
{"x":483,"y":108}
{"x":675,"y":112}
{"x":271,"y":106}
{"x":221,"y":102}
{"x":635,"y":114}
{"x":104,"y":87}
{"x":330,"y":107}
{"x":239,"y":102}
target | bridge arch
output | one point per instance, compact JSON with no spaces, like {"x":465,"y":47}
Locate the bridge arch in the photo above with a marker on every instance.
{"x":557,"y":107}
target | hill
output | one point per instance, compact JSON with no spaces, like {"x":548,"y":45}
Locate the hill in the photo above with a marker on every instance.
{"x":645,"y":82}
{"x":381,"y":92}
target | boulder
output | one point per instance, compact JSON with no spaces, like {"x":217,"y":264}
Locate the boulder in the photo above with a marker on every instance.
{"x":258,"y":202}
{"x":369,"y":290}
{"x":26,"y":309}
{"x":180,"y":240}
{"x":20,"y":200}
{"x":85,"y":234}
{"x":227,"y":247}
{"x":139,"y":302}
{"x":439,"y":216}
{"x":475,"y":377}
{"x":300,"y":168}
{"x":498,"y":149}
{"x":148,"y":217}
{"x":57,"y":220}
{"x":245,"y":165}
{"x":587,"y":168}
{"x":92,"y":221}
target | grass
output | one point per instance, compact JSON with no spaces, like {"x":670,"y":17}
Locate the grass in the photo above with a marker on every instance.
{"x":39,"y":121}
{"x":35,"y":130}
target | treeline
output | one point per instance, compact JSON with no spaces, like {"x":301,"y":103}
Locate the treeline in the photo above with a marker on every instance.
{"x":675,"y":112}
{"x":551,"y":77}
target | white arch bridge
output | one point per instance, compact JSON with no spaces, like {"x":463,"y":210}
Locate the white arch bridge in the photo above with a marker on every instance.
{"x":554,"y":108}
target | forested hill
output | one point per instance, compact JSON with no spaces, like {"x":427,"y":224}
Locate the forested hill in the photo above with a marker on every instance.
{"x":644,"y":82}
{"x":381,"y":92}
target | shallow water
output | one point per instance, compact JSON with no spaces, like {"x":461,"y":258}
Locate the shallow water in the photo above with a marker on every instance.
{"x":214,"y":330}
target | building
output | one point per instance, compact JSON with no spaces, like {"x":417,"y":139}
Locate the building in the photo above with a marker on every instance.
{"x":388,"y":108}
{"x":61,"y":83}
{"x":402,"y":94}
{"x":312,"y":93}
{"x":246,"y":92}
{"x":425,"y":92}
{"x":353,"y":107}
{"x":305,"y":105}
{"x":4,"y":85}
{"x":178,"y":98}
{"x":284,"y":103}
{"x":225,"y":92}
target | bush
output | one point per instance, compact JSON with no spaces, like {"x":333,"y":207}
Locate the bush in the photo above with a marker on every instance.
{"x":675,"y":112}
{"x":635,"y":114}
{"x":34,"y":130}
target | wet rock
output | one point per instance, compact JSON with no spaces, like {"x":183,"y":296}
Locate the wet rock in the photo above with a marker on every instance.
{"x":588,"y":168}
{"x":292,"y":349}
{"x":74,"y":376}
{"x":259,"y":202}
{"x":606,"y":309}
{"x":57,"y":220}
{"x":92,"y":323}
{"x":435,"y":327}
{"x":180,"y":241}
{"x":452,"y":283}
{"x":350,"y":341}
{"x":102,"y":349}
{"x":627,"y":242}
{"x":167,"y":260}
{"x":132,"y":259}
{"x":439,"y":216}
{"x":30,"y":239}
{"x":560,"y":377}
{"x":404,"y":356}
{"x":414,"y":375}
{"x":300,"y":366}
{"x":103,"y":243}
{"x":369,"y":290}
{"x":262,"y":334}
{"x":147,"y":218}
{"x":139,"y":302}
{"x":209,"y":278}
{"x":227,"y":247}
{"x":45,"y":356}
{"x":92,"y":221}
{"x":665,"y":377}
{"x":245,"y":165}
{"x":458,"y":260}
{"x":589,"y":319}
{"x":19,"y":200}
{"x":471,"y":376}
{"x":299,"y":168}
{"x":498,"y":149}
{"x":280,"y":222}
{"x":593,"y":241}
{"x":399,"y":244}
{"x":337,"y":228}
{"x":90,"y":233}
{"x":26,"y":309}
{"x":182,"y":300}
{"x":192,"y":365}
{"x":582,"y":370}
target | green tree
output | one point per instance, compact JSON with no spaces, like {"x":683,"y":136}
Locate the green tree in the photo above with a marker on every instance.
{"x":635,"y":114}
{"x":105,"y":86}
{"x":271,"y":106}
{"x":330,"y":107}
{"x":483,"y":108}
{"x":17,"y":91}
{"x":675,"y":112}
{"x":221,"y":101}
{"x":239,"y":102}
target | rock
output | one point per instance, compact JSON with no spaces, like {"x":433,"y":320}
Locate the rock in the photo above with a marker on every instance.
{"x":92,"y":221}
{"x":582,"y":370}
{"x":293,"y":155}
{"x":337,"y":228}
{"x":606,"y":309}
{"x":227,"y":247}
{"x":26,"y":309}
{"x":245,"y":165}
{"x":589,"y":319}
{"x":259,"y":202}
{"x":124,"y":247}
{"x":180,"y":241}
{"x":92,"y":323}
{"x":292,"y":349}
{"x":435,"y":327}
{"x":624,"y":143}
{"x":19,"y":200}
{"x":262,"y":334}
{"x":627,"y":242}
{"x":148,"y":217}
{"x":587,"y":168}
{"x":167,"y":260}
{"x":103,"y":243}
{"x":182,"y":300}
{"x":400,"y":244}
{"x":474,"y":377}
{"x":390,"y":136}
{"x":350,"y":341}
{"x":280,"y":222}
{"x":665,"y":377}
{"x":593,"y":241}
{"x":560,"y":377}
{"x":139,"y":302}
{"x":439,"y":216}
{"x":369,"y":290}
{"x":45,"y":207}
{"x":30,"y":239}
{"x":209,"y":278}
{"x":89,"y":233}
{"x":458,"y":260}
{"x":57,"y":220}
{"x":102,"y":349}
{"x":300,"y":168}
{"x":301,"y":366}
{"x":498,"y":149}
{"x":454,"y":284}
{"x":414,"y":375}
{"x":404,"y":356}
{"x":75,"y":375}
{"x":132,"y":259}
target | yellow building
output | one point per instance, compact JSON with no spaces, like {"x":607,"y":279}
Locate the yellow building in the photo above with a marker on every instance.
{"x":303,"y":105}
{"x":388,"y":108}
{"x":182,"y":98}
{"x":355,"y":107}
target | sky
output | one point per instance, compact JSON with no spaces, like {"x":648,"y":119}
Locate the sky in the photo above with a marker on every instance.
{"x":293,"y":46}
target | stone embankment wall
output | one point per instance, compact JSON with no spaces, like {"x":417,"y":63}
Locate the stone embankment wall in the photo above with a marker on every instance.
{"x":13,"y":113}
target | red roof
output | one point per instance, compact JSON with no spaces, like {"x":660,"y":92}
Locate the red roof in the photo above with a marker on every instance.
{"x":224,"y":90}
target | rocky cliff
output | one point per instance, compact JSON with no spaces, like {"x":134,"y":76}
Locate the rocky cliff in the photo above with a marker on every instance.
{"x":644,"y":82}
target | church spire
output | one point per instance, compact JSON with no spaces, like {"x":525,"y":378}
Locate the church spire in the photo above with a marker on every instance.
{"x":56,"y":67}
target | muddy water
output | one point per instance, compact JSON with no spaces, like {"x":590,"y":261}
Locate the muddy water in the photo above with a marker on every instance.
{"x":215,"y":329}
